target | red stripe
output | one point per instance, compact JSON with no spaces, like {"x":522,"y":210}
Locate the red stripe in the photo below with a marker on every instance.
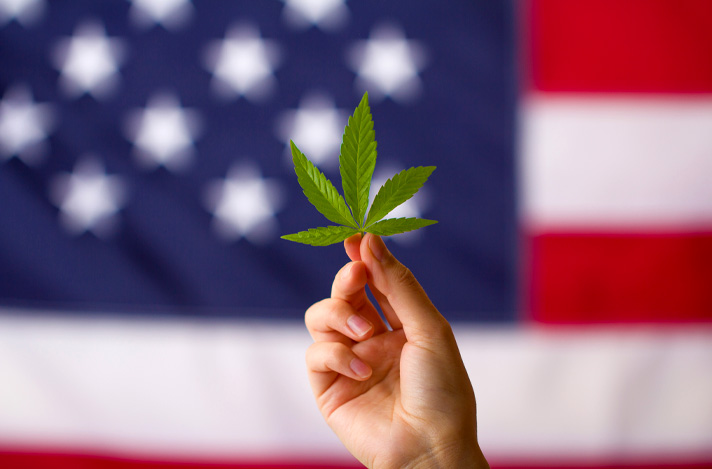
{"x":610,"y":465}
{"x":581,"y":278}
{"x":68,"y":461}
{"x":40,"y":460}
{"x":621,"y":46}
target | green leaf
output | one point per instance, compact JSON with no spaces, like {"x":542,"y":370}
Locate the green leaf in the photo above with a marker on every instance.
{"x":397,"y":190}
{"x":320,"y":191}
{"x":391,"y":226}
{"x":357,"y":162}
{"x":358,"y":159}
{"x":322,"y":236}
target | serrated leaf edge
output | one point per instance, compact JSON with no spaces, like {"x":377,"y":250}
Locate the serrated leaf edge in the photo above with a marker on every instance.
{"x":350,"y":217}
{"x":420,"y":222}
{"x":357,"y":160}
{"x":395,"y":185}
{"x":336,"y":208}
{"x":322,"y":236}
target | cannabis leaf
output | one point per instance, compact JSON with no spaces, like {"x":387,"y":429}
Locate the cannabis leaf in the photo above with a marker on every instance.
{"x":322,"y":236}
{"x":357,"y":162}
{"x":320,"y":191}
{"x":358,"y":159}
{"x":397,"y":190}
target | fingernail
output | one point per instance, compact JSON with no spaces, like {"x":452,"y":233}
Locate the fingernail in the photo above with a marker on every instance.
{"x":375,"y":244}
{"x":358,"y":325}
{"x":360,"y":368}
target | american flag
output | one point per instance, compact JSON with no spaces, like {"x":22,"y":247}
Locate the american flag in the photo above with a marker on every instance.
{"x":151,"y":317}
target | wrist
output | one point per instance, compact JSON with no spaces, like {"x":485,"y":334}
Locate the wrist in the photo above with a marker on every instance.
{"x":452,"y":457}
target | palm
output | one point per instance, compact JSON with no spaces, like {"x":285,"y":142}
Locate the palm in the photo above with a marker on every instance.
{"x":374,"y":415}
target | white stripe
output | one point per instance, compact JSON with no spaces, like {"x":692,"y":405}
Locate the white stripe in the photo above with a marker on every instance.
{"x":593,"y":392}
{"x":168,"y":387}
{"x":605,"y":161}
{"x":217,"y":389}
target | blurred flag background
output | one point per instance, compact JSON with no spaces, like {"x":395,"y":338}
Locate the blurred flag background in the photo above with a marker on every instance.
{"x":150,"y":316}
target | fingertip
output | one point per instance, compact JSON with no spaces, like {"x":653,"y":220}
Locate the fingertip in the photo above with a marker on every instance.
{"x":360,"y":327}
{"x":352,"y":247}
{"x":345,"y":272}
{"x":324,"y":358}
{"x":377,"y":247}
{"x":350,"y":280}
{"x":354,"y":273}
{"x":373,"y":249}
{"x":360,"y":369}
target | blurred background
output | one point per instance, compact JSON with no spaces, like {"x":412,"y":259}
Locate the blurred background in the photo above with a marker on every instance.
{"x":151,"y":317}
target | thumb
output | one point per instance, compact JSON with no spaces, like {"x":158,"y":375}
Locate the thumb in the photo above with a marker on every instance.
{"x":403,"y":301}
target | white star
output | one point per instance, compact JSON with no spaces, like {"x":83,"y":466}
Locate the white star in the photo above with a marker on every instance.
{"x":88,"y":199}
{"x":326,"y":14}
{"x":413,"y":207}
{"x":244,"y":204}
{"x":316,"y":128}
{"x":24,"y":12}
{"x":89,"y":61}
{"x":387,"y":64}
{"x":170,"y":14}
{"x":24,"y":125}
{"x":163,"y":133}
{"x":242,"y":64}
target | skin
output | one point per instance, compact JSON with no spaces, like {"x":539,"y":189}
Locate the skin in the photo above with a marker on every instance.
{"x":397,"y":398}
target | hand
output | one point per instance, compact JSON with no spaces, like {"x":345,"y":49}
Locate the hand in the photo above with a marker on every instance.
{"x":398,"y":398}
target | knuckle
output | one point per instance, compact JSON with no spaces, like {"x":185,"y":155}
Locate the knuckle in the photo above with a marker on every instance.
{"x":341,"y":354}
{"x":401,"y":279}
{"x":402,"y":275}
{"x":315,"y":313}
{"x":442,"y":327}
{"x":311,"y":354}
{"x":440,"y":330}
{"x":327,"y":315}
{"x":327,"y":355}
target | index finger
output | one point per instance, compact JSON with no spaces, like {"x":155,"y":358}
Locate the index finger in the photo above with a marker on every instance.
{"x":352,"y":246}
{"x":349,"y":283}
{"x":350,"y":286}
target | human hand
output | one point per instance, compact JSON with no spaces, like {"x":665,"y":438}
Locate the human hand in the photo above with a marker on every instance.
{"x":398,"y":398}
